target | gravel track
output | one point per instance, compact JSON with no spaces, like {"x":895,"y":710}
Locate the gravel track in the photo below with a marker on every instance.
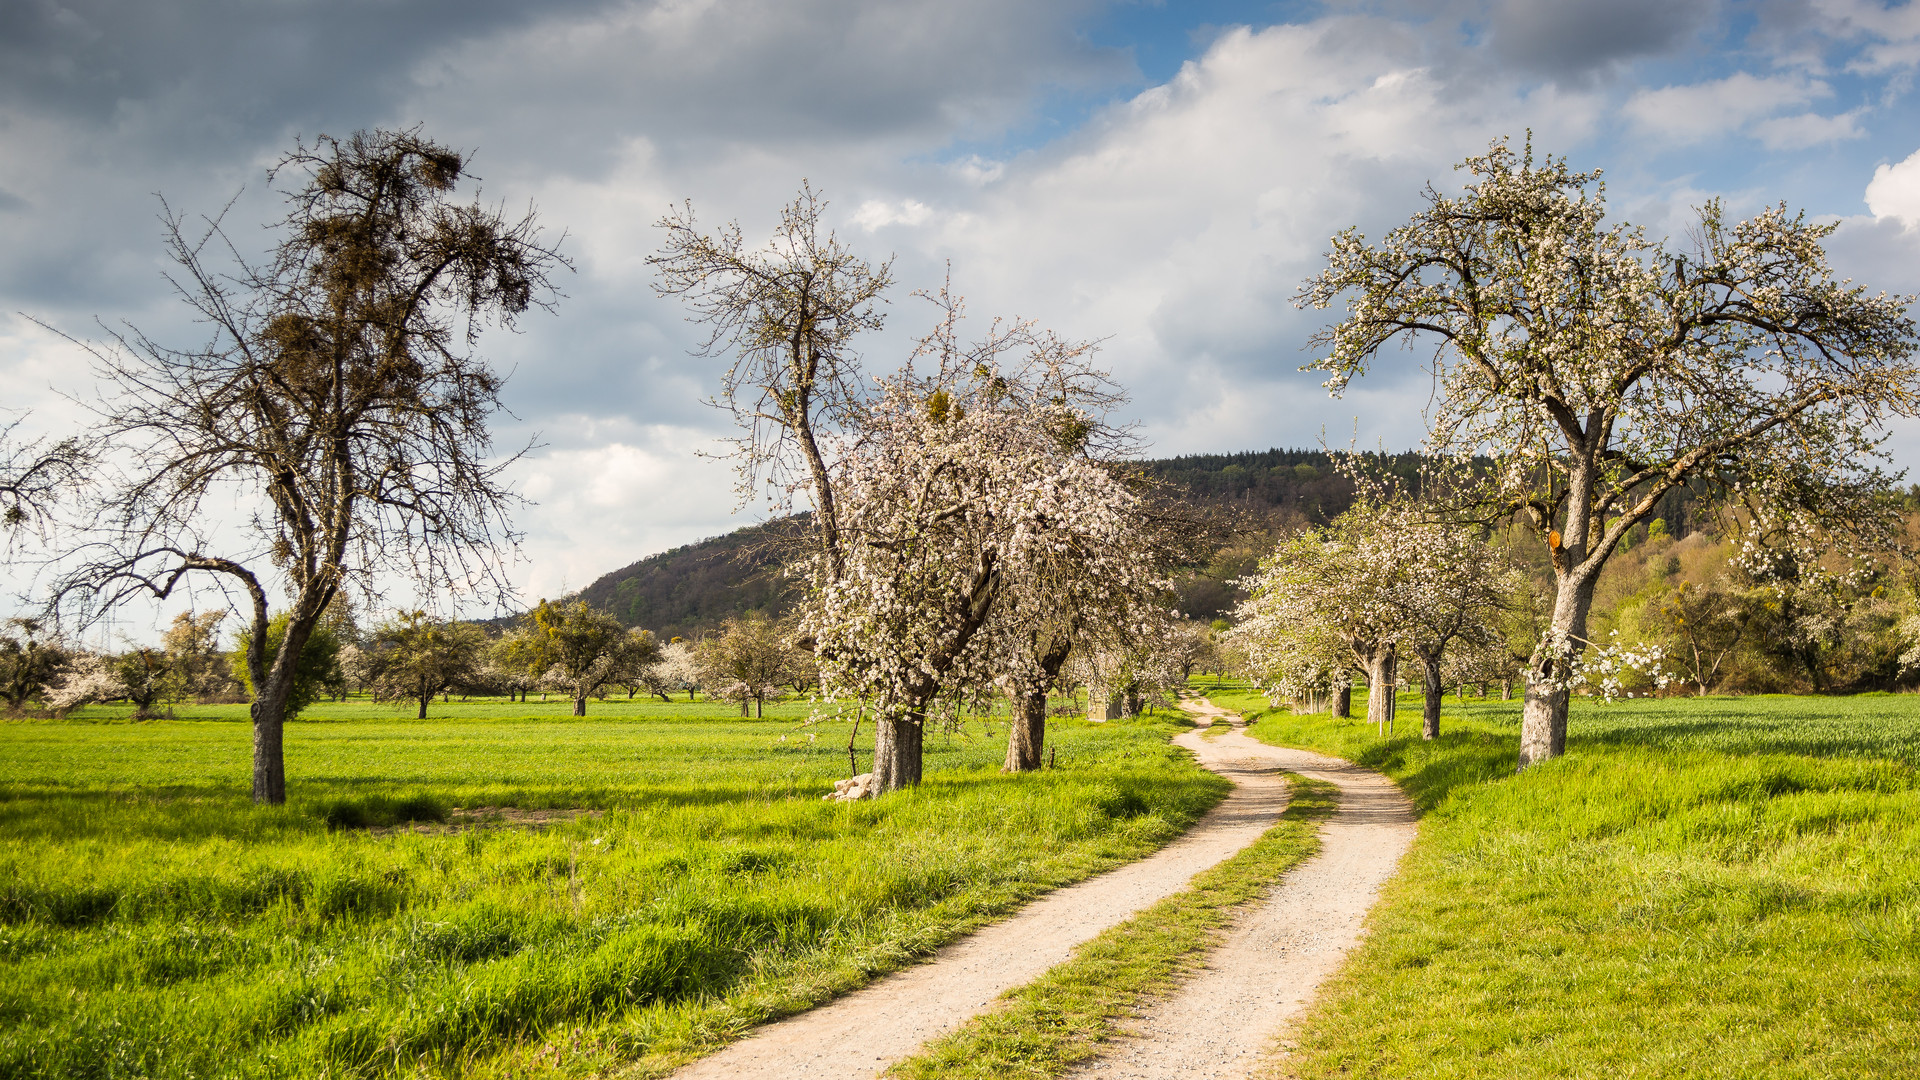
{"x":1227,"y":1021}
{"x":862,"y":1033}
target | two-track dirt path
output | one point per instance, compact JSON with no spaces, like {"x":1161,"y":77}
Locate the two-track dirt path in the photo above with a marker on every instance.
{"x":1223,"y":1022}
{"x":859,"y":1035}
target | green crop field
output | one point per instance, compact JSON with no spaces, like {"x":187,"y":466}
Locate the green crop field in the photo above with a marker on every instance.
{"x":1701,"y":888}
{"x":153,"y":923}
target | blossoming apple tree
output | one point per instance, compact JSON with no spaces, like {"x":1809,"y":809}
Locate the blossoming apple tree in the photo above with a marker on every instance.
{"x":1601,"y":370}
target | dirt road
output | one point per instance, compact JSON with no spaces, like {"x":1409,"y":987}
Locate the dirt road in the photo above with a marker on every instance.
{"x":859,"y":1035}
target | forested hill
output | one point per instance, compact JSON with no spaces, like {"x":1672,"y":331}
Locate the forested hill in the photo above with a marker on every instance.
{"x":691,"y":589}
{"x":687,"y":590}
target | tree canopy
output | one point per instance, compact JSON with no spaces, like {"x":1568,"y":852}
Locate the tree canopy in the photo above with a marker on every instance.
{"x":1601,"y":370}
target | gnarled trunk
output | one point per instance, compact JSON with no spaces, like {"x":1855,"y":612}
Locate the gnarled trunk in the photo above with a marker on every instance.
{"x":1027,"y":734}
{"x":580,"y":705}
{"x":896,"y":751}
{"x":1543,"y":719}
{"x":1343,"y":700}
{"x":1382,"y":670}
{"x":1433,"y":693}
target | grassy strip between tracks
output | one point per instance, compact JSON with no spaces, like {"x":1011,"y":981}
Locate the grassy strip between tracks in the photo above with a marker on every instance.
{"x":1708,"y":888}
{"x":1048,"y":1025}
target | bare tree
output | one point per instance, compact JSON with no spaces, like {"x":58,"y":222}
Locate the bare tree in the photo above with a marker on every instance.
{"x":339,"y":392}
{"x":1603,"y":371}
{"x":785,"y":317}
{"x":35,"y":475}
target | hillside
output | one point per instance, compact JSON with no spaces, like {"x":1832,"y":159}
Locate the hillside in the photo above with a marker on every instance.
{"x":692,"y":589}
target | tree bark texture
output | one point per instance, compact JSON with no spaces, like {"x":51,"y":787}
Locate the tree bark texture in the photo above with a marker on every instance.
{"x":1027,"y":729}
{"x":896,"y":752}
{"x":1381,"y":673}
{"x":1543,"y":719}
{"x":580,"y":705}
{"x":1343,"y":700}
{"x":1027,"y":735}
{"x":1433,"y":694}
{"x":269,"y":766}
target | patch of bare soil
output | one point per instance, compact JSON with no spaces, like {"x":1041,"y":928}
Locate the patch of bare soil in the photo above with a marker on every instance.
{"x":460,"y":819}
{"x":861,"y":1034}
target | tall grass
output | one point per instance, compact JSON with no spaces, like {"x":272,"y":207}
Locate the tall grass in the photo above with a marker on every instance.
{"x":1718,"y":888}
{"x":152,"y":923}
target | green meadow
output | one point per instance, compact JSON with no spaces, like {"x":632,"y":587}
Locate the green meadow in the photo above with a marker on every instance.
{"x":1727,"y":887}
{"x":408,"y":913}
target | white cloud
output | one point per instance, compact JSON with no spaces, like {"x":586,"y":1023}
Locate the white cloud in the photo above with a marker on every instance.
{"x":877,"y":214}
{"x":1894,"y":191}
{"x":1808,"y":129}
{"x":1719,"y":107}
{"x":1892,"y":30}
{"x":625,"y":491}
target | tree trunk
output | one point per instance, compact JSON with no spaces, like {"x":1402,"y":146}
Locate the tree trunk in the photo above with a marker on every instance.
{"x":1343,"y":700}
{"x":1543,"y":719}
{"x":579,"y":704}
{"x":1434,"y":694}
{"x":1027,"y":734}
{"x":1380,"y":678}
{"x":424,"y":698}
{"x":759,"y":707}
{"x":269,"y":765}
{"x":896,"y":752}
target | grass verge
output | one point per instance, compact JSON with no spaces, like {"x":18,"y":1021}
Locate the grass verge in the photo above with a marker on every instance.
{"x":153,"y":923}
{"x":1719,"y":888}
{"x":1048,"y":1025}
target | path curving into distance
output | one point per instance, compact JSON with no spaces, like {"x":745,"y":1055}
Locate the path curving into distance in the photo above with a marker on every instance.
{"x":1224,"y":1021}
{"x":860,"y":1034}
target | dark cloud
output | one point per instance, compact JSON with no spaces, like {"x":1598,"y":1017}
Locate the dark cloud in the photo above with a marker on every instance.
{"x":1569,"y":39}
{"x":230,"y":68}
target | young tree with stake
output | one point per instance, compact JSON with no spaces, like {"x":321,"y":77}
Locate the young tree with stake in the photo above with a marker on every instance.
{"x":1601,"y":371}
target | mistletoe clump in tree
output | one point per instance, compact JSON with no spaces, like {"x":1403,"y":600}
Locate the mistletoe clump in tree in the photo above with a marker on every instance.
{"x":1601,"y":370}
{"x":339,"y":392}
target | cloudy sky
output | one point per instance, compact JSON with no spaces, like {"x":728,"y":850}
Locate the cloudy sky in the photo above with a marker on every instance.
{"x":1158,"y":175}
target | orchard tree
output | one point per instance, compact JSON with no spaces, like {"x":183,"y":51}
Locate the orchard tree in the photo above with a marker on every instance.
{"x":635,"y":664}
{"x":412,"y":657}
{"x":31,"y":656}
{"x":1448,"y":592}
{"x":570,"y":645}
{"x":963,"y":483}
{"x":1602,"y":370}
{"x":784,"y":317}
{"x":747,"y":661}
{"x":339,"y":391}
{"x":1321,"y":605}
{"x":197,"y":667}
